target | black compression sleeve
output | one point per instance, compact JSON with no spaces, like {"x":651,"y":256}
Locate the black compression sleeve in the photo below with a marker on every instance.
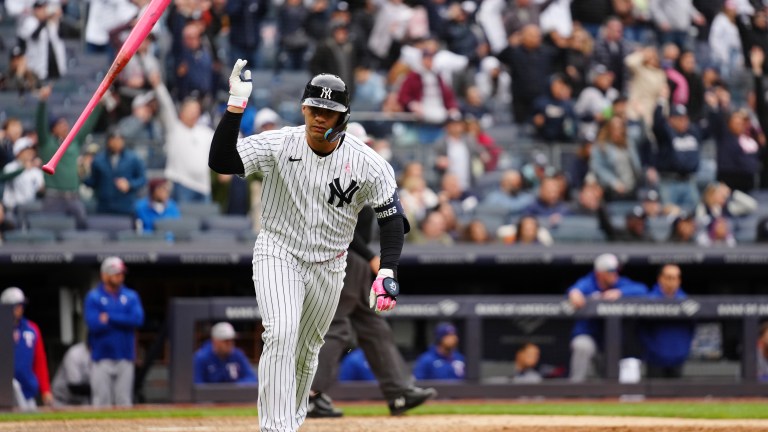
{"x":223,"y":157}
{"x":392,"y":233}
{"x":360,"y":247}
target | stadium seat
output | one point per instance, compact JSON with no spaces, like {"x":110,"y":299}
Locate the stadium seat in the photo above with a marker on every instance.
{"x":180,"y":229}
{"x":132,"y":236}
{"x":214,"y":237}
{"x":84,"y":237}
{"x":200,"y":210}
{"x":51,"y":221}
{"x":110,"y":224}
{"x":745,"y":229}
{"x":31,"y":236}
{"x":492,"y":217}
{"x":230,"y":223}
{"x":577,"y":229}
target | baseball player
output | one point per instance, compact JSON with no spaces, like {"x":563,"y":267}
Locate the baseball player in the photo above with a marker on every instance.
{"x":374,"y":336}
{"x":316,"y":180}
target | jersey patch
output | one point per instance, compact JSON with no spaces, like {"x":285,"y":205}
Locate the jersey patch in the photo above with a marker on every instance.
{"x":344,"y":196}
{"x":391,"y":209}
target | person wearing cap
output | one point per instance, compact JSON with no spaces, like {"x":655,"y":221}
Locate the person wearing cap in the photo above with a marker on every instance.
{"x":442,"y":361}
{"x":61,"y":190}
{"x":29,"y":184}
{"x":20,"y":78}
{"x":678,"y":156}
{"x":30,"y":363}
{"x":553,"y":113}
{"x":45,"y":50}
{"x":158,"y":205}
{"x":595,"y":100}
{"x":425,"y":93}
{"x":666,"y":343}
{"x":602,"y":284}
{"x":220,"y":361}
{"x":141,"y":124}
{"x":113,"y":312}
{"x":117,"y":175}
{"x":635,"y":228}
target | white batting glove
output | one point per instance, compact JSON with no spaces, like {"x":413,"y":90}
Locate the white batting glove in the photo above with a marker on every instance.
{"x":239,"y":89}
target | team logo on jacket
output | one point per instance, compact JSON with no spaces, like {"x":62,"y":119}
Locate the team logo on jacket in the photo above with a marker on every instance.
{"x":344,"y":196}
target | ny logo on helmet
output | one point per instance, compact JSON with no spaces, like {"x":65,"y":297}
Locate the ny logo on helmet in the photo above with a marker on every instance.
{"x":325,"y":93}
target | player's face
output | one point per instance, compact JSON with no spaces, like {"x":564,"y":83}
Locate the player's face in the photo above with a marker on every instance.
{"x":223,"y":348}
{"x":318,"y":121}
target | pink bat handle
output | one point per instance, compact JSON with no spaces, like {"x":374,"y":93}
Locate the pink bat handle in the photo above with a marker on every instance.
{"x":144,"y":25}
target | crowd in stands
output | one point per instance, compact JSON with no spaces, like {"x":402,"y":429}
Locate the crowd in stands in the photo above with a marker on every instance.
{"x":656,"y":104}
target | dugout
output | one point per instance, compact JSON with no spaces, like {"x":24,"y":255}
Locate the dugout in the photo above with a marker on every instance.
{"x":55,"y":278}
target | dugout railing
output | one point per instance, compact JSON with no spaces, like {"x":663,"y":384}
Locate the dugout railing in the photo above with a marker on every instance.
{"x":472,"y":311}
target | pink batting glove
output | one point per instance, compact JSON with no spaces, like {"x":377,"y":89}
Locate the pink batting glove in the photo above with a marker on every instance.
{"x":384,"y":291}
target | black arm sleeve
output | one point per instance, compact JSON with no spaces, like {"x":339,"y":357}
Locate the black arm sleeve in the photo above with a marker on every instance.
{"x":223,"y":157}
{"x":392,"y":233}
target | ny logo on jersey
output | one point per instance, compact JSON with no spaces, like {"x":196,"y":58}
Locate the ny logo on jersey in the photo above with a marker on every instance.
{"x":343,"y":196}
{"x":325,"y":93}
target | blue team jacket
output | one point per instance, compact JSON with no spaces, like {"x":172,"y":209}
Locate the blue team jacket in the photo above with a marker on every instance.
{"x":355,"y":367}
{"x":588,"y":286}
{"x":434,"y":366}
{"x":114,"y":340}
{"x":666,"y":343}
{"x":26,"y":337}
{"x":210,"y":368}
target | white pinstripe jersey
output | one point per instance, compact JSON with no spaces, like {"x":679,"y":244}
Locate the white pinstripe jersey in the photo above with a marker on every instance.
{"x":310,"y":203}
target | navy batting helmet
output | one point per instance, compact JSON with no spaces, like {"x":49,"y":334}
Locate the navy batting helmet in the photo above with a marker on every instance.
{"x":329,"y":92}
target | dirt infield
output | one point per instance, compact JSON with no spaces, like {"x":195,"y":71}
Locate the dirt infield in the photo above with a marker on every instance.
{"x":452,"y":423}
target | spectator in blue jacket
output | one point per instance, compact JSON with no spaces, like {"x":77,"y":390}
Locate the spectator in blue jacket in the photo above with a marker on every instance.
{"x":117,"y":175}
{"x":113,"y":312}
{"x":30,"y":375}
{"x":549,"y":203}
{"x":667,"y":343}
{"x":220,"y":361}
{"x":158,"y":205}
{"x":194,"y":67}
{"x":679,"y":154}
{"x":355,"y":367}
{"x":442,"y":361}
{"x":605,"y":284}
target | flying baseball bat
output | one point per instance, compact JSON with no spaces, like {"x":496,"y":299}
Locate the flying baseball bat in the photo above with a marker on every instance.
{"x":138,"y":34}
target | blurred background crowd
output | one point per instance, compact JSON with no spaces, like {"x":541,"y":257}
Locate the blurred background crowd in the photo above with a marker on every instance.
{"x":507,"y":121}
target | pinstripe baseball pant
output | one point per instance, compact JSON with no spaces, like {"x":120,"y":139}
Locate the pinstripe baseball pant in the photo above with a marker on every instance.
{"x":297,"y":301}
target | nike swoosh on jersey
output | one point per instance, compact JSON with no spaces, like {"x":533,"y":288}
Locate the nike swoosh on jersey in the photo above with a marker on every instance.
{"x":290,"y":159}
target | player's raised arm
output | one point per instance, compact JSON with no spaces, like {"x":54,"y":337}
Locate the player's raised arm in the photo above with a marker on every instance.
{"x":224,"y":157}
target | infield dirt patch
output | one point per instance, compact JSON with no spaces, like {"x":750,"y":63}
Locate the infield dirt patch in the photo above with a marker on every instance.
{"x":445,"y":423}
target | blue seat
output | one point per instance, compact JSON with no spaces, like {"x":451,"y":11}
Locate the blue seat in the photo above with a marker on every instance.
{"x":230,"y":223}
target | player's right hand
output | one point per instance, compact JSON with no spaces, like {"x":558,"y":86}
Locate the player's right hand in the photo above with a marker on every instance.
{"x":239,"y":88}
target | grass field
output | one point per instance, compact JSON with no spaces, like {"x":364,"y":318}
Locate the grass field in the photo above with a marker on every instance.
{"x":714,"y":409}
